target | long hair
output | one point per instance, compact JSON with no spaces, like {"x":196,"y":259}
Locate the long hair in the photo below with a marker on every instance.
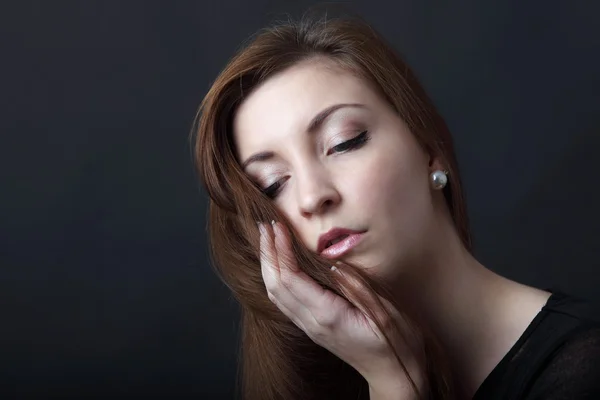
{"x":278,"y":360}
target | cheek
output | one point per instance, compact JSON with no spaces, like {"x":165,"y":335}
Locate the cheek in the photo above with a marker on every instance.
{"x":394,"y":194}
{"x":389,"y":184}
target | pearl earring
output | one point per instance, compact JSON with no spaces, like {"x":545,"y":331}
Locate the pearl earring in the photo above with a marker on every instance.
{"x":439,"y":179}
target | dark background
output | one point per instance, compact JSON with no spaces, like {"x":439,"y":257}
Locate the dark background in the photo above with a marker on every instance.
{"x":106,"y":287}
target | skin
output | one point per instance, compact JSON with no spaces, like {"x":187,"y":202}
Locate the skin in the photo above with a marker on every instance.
{"x":381,"y":187}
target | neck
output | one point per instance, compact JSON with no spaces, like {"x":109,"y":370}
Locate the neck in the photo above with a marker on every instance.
{"x":476,"y":314}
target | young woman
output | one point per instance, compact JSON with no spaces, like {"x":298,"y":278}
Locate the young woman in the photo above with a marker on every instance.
{"x":358,"y":281}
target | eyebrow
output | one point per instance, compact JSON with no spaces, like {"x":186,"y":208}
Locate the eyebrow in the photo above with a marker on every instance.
{"x":314,"y":125}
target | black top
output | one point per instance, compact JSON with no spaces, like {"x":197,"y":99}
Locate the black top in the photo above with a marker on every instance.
{"x":556,"y":358}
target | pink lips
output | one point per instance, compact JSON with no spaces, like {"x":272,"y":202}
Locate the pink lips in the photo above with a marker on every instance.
{"x":343,"y":246}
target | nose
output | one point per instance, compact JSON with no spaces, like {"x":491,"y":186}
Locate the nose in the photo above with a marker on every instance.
{"x":316,"y":192}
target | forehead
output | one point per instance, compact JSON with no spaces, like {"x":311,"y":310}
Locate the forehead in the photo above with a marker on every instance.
{"x":285,"y":103}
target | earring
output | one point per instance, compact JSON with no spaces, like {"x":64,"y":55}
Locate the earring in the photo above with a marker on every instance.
{"x":439,"y":179}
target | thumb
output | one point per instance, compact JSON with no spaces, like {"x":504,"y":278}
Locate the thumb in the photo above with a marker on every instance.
{"x":357,"y":291}
{"x":374,"y":306}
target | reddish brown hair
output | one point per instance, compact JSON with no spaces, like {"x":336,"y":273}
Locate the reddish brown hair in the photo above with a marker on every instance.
{"x":278,"y":360}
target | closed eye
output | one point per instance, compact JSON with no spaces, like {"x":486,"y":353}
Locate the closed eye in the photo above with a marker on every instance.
{"x":349,"y":145}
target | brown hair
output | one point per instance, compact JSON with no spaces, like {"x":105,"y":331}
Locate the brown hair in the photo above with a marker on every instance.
{"x":278,"y":360}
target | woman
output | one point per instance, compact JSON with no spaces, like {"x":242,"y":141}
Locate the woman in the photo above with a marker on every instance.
{"x":364,"y":284}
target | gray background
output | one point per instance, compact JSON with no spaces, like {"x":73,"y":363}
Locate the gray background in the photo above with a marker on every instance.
{"x":105,"y":282}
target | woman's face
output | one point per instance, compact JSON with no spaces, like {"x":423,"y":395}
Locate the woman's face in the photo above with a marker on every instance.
{"x":377,"y":183}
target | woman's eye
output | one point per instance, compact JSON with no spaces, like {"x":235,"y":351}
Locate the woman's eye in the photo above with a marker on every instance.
{"x":271,"y":191}
{"x":352,"y":144}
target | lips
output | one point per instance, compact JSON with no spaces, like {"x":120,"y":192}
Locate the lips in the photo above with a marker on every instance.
{"x":338,"y":241}
{"x":342,"y":246}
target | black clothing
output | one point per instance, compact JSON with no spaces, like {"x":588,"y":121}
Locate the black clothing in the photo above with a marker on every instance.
{"x":556,"y":358}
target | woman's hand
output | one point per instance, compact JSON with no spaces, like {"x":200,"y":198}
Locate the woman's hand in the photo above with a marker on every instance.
{"x":331,"y":321}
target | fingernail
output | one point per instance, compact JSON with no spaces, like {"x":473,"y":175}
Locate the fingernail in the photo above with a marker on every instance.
{"x":336,"y":270}
{"x":273,"y":222}
{"x":261,"y":228}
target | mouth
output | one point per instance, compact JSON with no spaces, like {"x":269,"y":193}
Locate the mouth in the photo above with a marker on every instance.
{"x":341,"y":245}
{"x":334,"y":241}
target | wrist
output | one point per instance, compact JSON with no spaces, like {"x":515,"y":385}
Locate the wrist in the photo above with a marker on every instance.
{"x":393,"y":383}
{"x":399,"y":388}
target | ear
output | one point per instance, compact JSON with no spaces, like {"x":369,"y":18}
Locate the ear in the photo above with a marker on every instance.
{"x":435,"y":163}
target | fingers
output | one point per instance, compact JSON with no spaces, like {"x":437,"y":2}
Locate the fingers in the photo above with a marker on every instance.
{"x":268,"y":259}
{"x":296,"y":294}
{"x":293,"y":279}
{"x":292,"y":316}
{"x":271,"y":273}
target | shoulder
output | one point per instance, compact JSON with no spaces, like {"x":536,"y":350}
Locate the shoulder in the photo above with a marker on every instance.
{"x":556,"y":358}
{"x":572,"y":369}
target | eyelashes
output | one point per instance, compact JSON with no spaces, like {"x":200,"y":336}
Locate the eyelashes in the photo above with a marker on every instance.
{"x":344,"y":147}
{"x":351,"y":144}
